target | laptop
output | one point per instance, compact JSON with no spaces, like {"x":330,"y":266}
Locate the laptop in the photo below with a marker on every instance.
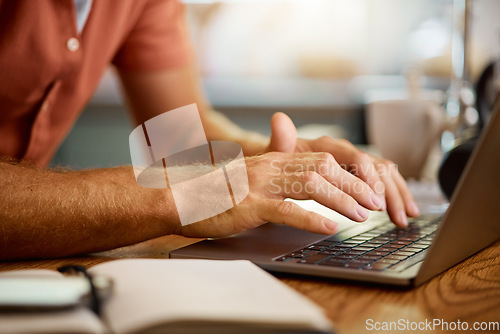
{"x":376,"y":251}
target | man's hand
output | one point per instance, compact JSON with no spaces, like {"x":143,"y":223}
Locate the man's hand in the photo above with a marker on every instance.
{"x":272,"y":177}
{"x":381,"y":175}
{"x":153,"y":93}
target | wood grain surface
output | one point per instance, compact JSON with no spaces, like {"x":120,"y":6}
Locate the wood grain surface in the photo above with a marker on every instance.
{"x":469,"y":292}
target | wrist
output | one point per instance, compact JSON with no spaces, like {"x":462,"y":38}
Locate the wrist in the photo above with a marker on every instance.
{"x":151,"y":210}
{"x":163,"y":212}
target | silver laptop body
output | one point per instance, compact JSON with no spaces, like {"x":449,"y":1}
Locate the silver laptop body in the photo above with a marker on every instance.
{"x":470,"y":224}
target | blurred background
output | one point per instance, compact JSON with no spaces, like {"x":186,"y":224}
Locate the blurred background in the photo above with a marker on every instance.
{"x":316,"y":60}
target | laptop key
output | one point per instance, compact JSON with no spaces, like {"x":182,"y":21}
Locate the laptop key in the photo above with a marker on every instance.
{"x":412,"y":238}
{"x":403,"y":253}
{"x":363,"y":249}
{"x":314,"y":247}
{"x":396,"y":257}
{"x":382,"y":238}
{"x":353,"y":252}
{"x":400,"y":242}
{"x":409,"y":262}
{"x":369,"y":244}
{"x":369,"y":234}
{"x":396,"y":246}
{"x":381,"y":230}
{"x":361,"y":260}
{"x":429,"y":229}
{"x":296,"y":255}
{"x":377,"y":253}
{"x":346,"y":245}
{"x":329,"y":252}
{"x":377,"y":266}
{"x":337,"y":249}
{"x":371,"y":258}
{"x":326,"y":243}
{"x":422,"y":223}
{"x":313,"y":259}
{"x":386,"y":249}
{"x":381,"y":242}
{"x":418,"y":245}
{"x":386,"y":260}
{"x":345,"y":257}
{"x":352,"y":241}
{"x":359,"y":237}
{"x":412,"y":249}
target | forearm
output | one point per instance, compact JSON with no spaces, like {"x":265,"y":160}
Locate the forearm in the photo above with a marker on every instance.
{"x":152,"y":93}
{"x":52,"y":214}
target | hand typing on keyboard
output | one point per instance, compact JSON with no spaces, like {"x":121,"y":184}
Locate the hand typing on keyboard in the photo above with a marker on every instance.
{"x":381,"y":175}
{"x":332,"y":172}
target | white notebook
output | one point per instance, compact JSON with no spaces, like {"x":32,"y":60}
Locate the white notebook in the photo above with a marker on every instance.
{"x":180,"y":296}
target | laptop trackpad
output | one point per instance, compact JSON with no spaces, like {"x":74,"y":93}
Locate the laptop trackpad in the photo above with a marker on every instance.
{"x":261,"y":243}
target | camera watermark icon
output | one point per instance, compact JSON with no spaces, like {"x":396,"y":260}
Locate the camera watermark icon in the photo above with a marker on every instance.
{"x":171,"y":151}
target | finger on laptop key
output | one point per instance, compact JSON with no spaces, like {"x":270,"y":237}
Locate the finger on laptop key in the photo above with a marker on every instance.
{"x":410,"y":204}
{"x":358,"y":163}
{"x":395,"y":204}
{"x":364,"y":167}
{"x":324,"y":164}
{"x":311,"y":185}
{"x":352,"y":185}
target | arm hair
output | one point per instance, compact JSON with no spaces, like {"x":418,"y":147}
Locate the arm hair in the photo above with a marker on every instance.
{"x":54,"y":213}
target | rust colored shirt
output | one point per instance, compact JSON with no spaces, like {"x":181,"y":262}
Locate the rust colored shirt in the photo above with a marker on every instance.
{"x":48,"y":71}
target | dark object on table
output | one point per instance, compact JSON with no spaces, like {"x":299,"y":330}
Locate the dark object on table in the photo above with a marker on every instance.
{"x":453,"y":165}
{"x":455,"y":160}
{"x":486,"y":93}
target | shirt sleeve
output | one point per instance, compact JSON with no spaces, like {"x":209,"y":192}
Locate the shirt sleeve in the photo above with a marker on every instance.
{"x":159,"y":40}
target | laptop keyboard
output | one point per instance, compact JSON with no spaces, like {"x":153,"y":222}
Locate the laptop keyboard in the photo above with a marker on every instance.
{"x":383,"y":248}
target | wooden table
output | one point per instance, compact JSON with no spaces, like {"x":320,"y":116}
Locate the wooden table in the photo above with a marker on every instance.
{"x":469,"y":292}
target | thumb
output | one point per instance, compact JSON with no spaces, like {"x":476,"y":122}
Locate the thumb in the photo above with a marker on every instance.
{"x":283,"y":134}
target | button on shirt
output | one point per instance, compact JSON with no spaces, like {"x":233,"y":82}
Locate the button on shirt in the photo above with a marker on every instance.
{"x":73,"y":44}
{"x":49,"y":68}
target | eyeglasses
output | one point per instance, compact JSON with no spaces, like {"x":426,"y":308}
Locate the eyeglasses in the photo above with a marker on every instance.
{"x":95,"y":300}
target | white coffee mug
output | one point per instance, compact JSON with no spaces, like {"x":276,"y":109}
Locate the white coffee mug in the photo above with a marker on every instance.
{"x":405,"y":131}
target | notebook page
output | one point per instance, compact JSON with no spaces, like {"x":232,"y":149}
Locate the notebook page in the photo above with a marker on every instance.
{"x":151,"y":292}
